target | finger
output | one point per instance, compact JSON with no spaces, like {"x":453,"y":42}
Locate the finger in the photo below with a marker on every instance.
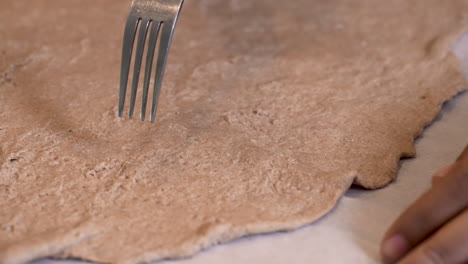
{"x":403,"y":235}
{"x":446,"y":170}
{"x":464,"y":154}
{"x":448,"y":245}
{"x":446,"y":198}
{"x":442,"y":173}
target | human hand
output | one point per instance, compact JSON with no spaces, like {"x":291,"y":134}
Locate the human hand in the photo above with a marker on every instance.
{"x":434,"y":229}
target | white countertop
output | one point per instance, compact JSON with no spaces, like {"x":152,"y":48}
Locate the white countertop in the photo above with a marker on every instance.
{"x":351,"y":232}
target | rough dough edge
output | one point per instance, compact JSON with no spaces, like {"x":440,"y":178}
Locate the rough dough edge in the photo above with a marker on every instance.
{"x":222,"y":233}
{"x":36,"y":250}
{"x":424,"y":121}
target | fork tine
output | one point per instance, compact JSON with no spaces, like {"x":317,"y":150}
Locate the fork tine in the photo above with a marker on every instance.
{"x":129,"y":38}
{"x":164,"y":44}
{"x":144,"y":24}
{"x":149,"y":64}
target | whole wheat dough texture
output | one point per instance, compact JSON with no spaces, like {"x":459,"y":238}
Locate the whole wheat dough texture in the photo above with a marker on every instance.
{"x":270,"y":110}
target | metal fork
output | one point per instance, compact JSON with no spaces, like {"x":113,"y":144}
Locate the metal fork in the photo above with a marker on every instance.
{"x":161,"y":16}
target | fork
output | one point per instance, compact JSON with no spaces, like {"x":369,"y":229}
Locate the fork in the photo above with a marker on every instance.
{"x":159,"y":17}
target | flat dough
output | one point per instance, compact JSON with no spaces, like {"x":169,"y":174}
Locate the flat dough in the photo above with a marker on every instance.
{"x":269,"y":112}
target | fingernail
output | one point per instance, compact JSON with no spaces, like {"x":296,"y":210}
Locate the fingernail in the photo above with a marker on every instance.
{"x":443,"y":172}
{"x":395,"y":247}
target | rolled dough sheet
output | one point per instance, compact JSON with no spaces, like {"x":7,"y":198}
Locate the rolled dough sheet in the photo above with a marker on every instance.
{"x":262,"y":128}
